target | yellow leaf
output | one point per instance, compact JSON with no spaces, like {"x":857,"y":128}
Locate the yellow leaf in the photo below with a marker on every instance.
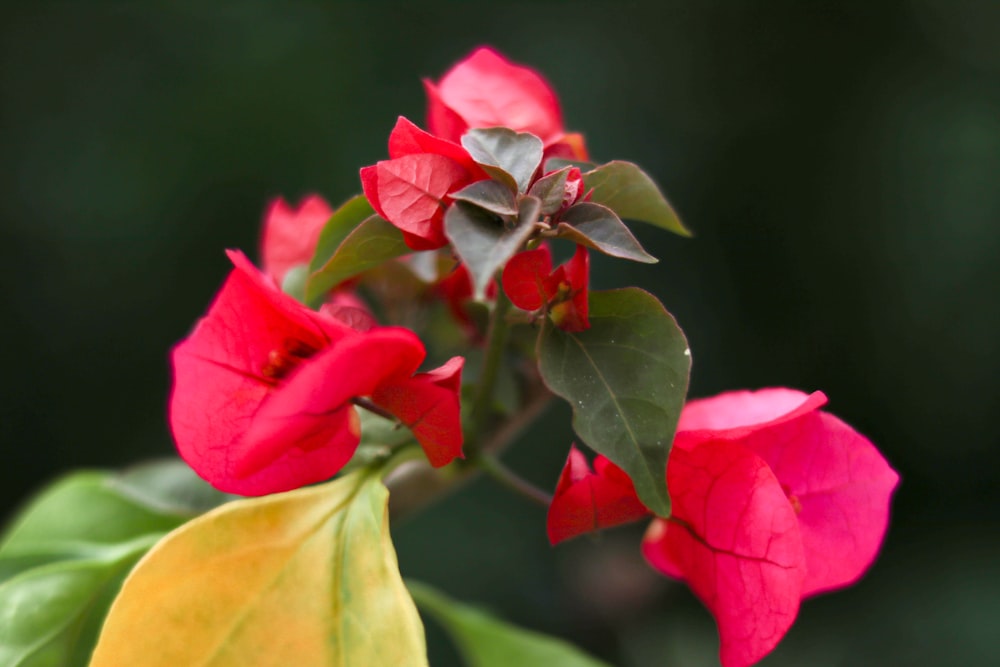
{"x":305,"y":578}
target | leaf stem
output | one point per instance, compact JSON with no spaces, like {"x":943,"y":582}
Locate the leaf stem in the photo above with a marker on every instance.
{"x":510,"y":479}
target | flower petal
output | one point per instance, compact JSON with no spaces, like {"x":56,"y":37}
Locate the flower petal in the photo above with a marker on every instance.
{"x":219,"y":379}
{"x":527,"y":278}
{"x":840,"y":485}
{"x":290,"y":235}
{"x":408,"y":192}
{"x":296,"y":413}
{"x":487,"y":90}
{"x":408,"y":139}
{"x":586,"y":501}
{"x":428,"y":404}
{"x":734,"y":414}
{"x":735,"y":539}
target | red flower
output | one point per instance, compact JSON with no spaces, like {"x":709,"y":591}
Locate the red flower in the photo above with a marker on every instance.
{"x":290,"y":235}
{"x":587,"y":500}
{"x":263,"y":389}
{"x":487,"y":90}
{"x":773,"y":500}
{"x":530,"y":282}
{"x":411,"y":189}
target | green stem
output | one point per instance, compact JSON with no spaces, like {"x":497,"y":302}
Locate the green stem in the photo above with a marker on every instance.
{"x":496,"y":341}
{"x":501,"y":473}
{"x":399,"y":456}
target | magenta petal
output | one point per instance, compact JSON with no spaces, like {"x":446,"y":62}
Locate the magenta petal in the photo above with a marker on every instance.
{"x":442,"y":121}
{"x":219,"y":380}
{"x":735,"y":539}
{"x":587,"y":500}
{"x":429,"y":405}
{"x":296,"y":413}
{"x":290,"y":235}
{"x":735,"y":414}
{"x":841,"y":486}
{"x":487,"y":90}
{"x":408,"y":192}
{"x":526,"y":278}
{"x":408,"y":139}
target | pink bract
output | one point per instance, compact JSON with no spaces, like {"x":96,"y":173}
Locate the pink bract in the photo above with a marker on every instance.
{"x":487,"y":90}
{"x":411,"y":189}
{"x":290,"y":234}
{"x":529,"y":282}
{"x":773,"y":500}
{"x":587,"y":500}
{"x":263,"y":391}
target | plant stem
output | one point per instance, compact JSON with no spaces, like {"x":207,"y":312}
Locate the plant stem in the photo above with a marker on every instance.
{"x":371,"y":407}
{"x":496,"y":341}
{"x":501,"y":473}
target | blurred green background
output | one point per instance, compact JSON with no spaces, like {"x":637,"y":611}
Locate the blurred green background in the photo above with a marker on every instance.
{"x":839,"y":164}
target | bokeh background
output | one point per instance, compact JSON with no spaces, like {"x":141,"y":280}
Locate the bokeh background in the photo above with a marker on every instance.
{"x":838,"y":162}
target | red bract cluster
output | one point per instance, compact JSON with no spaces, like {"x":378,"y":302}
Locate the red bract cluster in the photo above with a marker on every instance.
{"x":773,"y":500}
{"x":265,"y":389}
{"x":530,"y":282}
{"x":487,"y":90}
{"x":411,"y":189}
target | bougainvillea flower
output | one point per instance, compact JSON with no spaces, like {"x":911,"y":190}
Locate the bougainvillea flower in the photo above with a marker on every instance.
{"x":587,"y":500}
{"x":773,"y":500}
{"x":264,"y":389}
{"x":487,"y":90}
{"x":530,"y":283}
{"x":411,"y":189}
{"x":289,"y":236}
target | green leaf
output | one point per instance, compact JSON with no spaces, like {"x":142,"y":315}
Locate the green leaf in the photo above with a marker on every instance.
{"x":625,"y":378}
{"x":491,"y":195}
{"x":77,"y":517}
{"x":485,"y":641}
{"x":484,"y":242}
{"x":628,"y":191}
{"x":551,"y":190}
{"x":516,"y":154}
{"x":170,"y":486}
{"x":51,"y":615}
{"x":342,"y":222}
{"x":63,"y":559}
{"x":294,"y":283}
{"x":557,"y":163}
{"x":598,"y":227}
{"x":306,"y":578}
{"x":372,"y":242}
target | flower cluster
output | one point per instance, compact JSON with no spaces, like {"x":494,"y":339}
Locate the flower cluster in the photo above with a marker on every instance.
{"x":770,"y":499}
{"x":773,"y":500}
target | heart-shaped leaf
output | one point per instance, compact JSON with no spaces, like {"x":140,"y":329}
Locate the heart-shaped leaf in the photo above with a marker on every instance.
{"x":598,"y":227}
{"x":305,"y":578}
{"x":631,"y":193}
{"x":491,"y":195}
{"x":625,"y":378}
{"x":551,"y":190}
{"x":484,"y":242}
{"x":515,"y":153}
{"x":486,"y":641}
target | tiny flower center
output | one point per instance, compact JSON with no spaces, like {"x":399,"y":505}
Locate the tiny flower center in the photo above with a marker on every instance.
{"x":283,"y":360}
{"x":793,"y":499}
